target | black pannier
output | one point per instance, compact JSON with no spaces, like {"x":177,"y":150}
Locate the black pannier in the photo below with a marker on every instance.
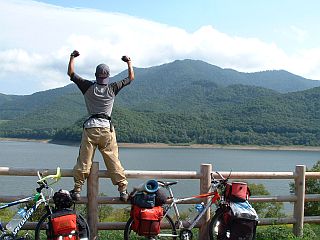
{"x":242,"y":229}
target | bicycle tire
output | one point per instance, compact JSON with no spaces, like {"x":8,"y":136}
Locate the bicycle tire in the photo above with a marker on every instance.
{"x":165,"y":233}
{"x":216,"y":220}
{"x":43,"y":227}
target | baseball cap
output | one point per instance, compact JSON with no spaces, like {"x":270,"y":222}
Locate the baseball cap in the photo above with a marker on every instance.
{"x":102,"y":74}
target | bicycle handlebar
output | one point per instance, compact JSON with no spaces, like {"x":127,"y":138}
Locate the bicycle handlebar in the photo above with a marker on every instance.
{"x":55,"y":177}
{"x":222,"y":181}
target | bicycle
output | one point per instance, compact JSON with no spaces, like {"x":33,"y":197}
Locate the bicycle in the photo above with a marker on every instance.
{"x":182,"y":230}
{"x":36,"y":200}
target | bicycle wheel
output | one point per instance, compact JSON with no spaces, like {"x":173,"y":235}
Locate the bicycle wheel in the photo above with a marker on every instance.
{"x":218,"y":230}
{"x":44,"y":227}
{"x":167,"y":230}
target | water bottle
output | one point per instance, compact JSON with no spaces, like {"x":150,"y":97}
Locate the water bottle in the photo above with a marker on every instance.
{"x":16,"y":219}
{"x":199,"y":207}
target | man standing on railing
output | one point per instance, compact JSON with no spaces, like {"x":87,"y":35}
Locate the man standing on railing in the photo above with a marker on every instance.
{"x":98,"y":131}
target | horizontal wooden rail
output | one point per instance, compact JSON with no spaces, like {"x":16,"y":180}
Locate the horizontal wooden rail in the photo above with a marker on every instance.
{"x":157,"y":174}
{"x":9,"y":171}
{"x":253,"y":199}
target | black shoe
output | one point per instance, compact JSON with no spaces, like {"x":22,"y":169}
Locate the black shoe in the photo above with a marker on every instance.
{"x":124,"y":196}
{"x":75,"y":195}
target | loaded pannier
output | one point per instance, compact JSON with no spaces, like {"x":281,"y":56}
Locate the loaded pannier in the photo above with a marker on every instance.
{"x":243,"y":222}
{"x":237,"y":192}
{"x":238,"y":222}
{"x":242,"y":229}
{"x":63,"y":225}
{"x":146,"y":221}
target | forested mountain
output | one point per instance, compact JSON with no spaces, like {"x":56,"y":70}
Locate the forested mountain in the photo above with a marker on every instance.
{"x":15,"y":107}
{"x":163,"y":81}
{"x":181,"y":102}
{"x":272,"y":119}
{"x":8,"y":98}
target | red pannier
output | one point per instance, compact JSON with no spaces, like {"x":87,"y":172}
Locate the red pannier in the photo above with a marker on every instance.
{"x":64,"y":226}
{"x":146,"y":221}
{"x":237,"y":192}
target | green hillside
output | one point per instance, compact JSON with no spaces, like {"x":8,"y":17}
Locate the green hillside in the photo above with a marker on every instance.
{"x":276,"y":119}
{"x":181,"y":102}
{"x":14,"y":107}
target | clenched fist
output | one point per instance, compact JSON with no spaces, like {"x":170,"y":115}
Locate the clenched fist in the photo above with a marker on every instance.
{"x":125,"y":58}
{"x":75,"y":53}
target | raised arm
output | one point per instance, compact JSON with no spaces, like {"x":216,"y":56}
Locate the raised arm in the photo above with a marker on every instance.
{"x":73,"y":55}
{"x":130,"y":68}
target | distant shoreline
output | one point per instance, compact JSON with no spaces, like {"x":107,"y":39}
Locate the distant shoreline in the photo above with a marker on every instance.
{"x":195,"y":146}
{"x":24,"y":140}
{"x":217,"y":146}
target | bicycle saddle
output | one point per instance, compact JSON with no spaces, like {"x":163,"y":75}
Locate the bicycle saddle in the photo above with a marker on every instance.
{"x":165,"y":184}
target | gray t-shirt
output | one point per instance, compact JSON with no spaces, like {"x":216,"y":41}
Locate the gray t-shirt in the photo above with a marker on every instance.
{"x":99,"y":98}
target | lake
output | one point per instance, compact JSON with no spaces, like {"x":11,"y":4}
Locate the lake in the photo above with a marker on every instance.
{"x":43,"y":155}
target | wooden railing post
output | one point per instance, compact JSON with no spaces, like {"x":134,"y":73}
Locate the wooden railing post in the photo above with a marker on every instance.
{"x":92,"y":194}
{"x":298,"y":211}
{"x":205,"y":183}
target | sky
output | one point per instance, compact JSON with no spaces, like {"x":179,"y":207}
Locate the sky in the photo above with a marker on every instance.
{"x":37,"y":37}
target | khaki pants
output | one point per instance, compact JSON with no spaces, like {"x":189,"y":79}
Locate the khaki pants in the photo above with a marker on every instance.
{"x":107,"y":144}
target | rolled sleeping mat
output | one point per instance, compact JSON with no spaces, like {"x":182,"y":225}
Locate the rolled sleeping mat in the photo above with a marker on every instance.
{"x":149,"y":186}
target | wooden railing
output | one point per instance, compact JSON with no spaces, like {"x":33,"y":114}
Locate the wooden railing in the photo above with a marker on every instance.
{"x":93,"y":199}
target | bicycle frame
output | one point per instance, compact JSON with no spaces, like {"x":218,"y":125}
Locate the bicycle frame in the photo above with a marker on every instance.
{"x":39,"y":199}
{"x":213,"y":197}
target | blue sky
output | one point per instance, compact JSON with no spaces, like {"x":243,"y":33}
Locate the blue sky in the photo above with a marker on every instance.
{"x":38,"y":36}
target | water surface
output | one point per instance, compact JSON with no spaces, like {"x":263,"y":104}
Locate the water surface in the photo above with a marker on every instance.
{"x":44,"y":155}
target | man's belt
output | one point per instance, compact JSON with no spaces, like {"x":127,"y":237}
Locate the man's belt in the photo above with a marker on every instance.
{"x":101,"y":115}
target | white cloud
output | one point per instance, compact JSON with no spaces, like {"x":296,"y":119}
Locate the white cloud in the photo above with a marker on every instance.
{"x":300,"y":34}
{"x":37,"y":38}
{"x":306,"y":62}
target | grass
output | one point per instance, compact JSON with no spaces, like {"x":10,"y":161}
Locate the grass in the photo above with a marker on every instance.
{"x":275,"y":232}
{"x":284,"y":232}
